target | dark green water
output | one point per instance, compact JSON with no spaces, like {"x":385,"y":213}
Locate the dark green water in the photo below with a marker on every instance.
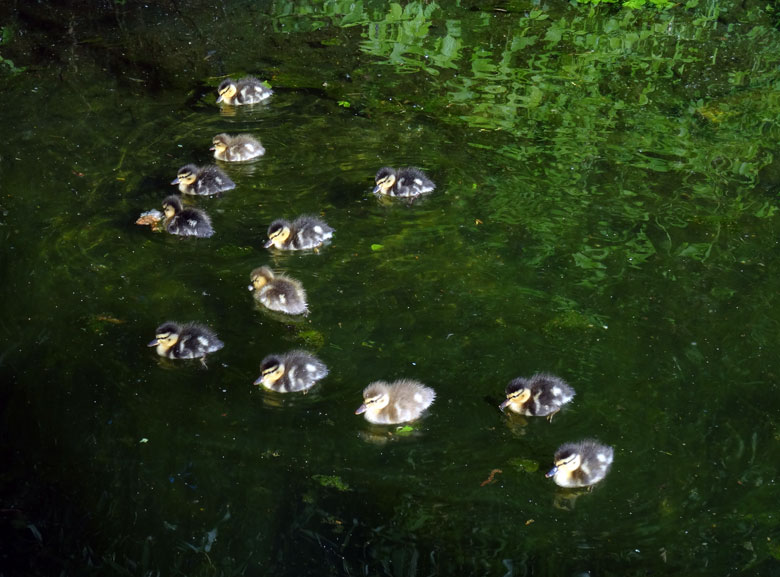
{"x":606,"y":210}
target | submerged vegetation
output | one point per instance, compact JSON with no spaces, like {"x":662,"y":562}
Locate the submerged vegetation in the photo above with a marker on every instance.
{"x":606,"y":208}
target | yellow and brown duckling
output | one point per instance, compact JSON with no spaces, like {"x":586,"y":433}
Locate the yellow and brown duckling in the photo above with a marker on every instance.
{"x":398,"y":402}
{"x":404,"y":182}
{"x":248,"y":90}
{"x":291,"y":372}
{"x":278,"y":292}
{"x":185,"y":221}
{"x":303,"y":233}
{"x":581,"y":464}
{"x":541,"y":395}
{"x":204,"y":181}
{"x":236,"y":148}
{"x":185,"y":341}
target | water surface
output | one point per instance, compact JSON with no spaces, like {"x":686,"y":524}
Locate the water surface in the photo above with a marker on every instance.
{"x":606,"y":210}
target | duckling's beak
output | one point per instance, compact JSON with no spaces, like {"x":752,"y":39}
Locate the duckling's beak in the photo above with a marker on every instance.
{"x":213,"y":148}
{"x":154,"y":343}
{"x":251,"y":288}
{"x":175,"y":180}
{"x":268,"y":244}
{"x":377,"y":188}
{"x":219,"y":99}
{"x":361,"y":409}
{"x":551,"y":472}
{"x":504,"y":405}
{"x":259,"y":380}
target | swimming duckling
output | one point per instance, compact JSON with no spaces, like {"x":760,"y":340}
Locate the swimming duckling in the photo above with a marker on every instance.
{"x":389,"y":403}
{"x":581,"y":464}
{"x":236,"y":148}
{"x":404,"y":182}
{"x":188,"y":341}
{"x":538,"y":396}
{"x":291,"y":372}
{"x":278,"y":293}
{"x":303,"y":233}
{"x":248,"y":90}
{"x":185,"y":221}
{"x":203,"y":181}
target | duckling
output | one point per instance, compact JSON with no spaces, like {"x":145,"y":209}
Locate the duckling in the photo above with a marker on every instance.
{"x":187,"y":341}
{"x":581,"y":464}
{"x":236,"y":148}
{"x":538,"y":396}
{"x":390,"y":403}
{"x":404,"y":182}
{"x":203,"y":181}
{"x":185,"y":221}
{"x":248,"y":90}
{"x":291,"y":372}
{"x":278,"y":293}
{"x":303,"y":233}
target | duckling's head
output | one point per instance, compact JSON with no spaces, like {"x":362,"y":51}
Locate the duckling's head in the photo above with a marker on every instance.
{"x":385,"y":179}
{"x":271,"y":370}
{"x":220,"y":142}
{"x":260,"y":277}
{"x":566,"y":461}
{"x":172,"y":206}
{"x":186,"y":175}
{"x":278,"y":233}
{"x":226,"y":90}
{"x":517,"y":395}
{"x":375,"y":398}
{"x":166,"y":335}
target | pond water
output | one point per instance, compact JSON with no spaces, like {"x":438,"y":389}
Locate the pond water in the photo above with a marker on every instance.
{"x":606,"y":210}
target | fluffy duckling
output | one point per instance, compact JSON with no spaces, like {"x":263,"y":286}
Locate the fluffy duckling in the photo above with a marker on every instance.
{"x":188,"y":341}
{"x":541,"y":395}
{"x":278,"y":292}
{"x":185,"y":221}
{"x":248,"y":90}
{"x":205,"y":180}
{"x":291,"y":372}
{"x":303,"y":233}
{"x":238,"y":148}
{"x":404,"y":182}
{"x":398,"y":402}
{"x":581,"y":464}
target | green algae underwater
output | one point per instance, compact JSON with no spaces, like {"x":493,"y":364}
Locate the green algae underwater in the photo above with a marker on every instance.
{"x":606,"y":210}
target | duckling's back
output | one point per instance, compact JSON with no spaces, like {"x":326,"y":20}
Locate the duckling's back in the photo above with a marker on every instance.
{"x":408,"y":400}
{"x":212,"y":180}
{"x":548,"y":393}
{"x":310,"y":232}
{"x":191,"y":222}
{"x":302,"y":371}
{"x":283,"y":295}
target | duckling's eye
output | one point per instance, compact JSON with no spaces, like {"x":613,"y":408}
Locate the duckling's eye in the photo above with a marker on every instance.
{"x":568,"y":460}
{"x":163,"y":336}
{"x":270,"y":370}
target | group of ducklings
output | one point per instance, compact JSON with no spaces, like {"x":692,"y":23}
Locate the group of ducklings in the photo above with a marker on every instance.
{"x":580,"y":464}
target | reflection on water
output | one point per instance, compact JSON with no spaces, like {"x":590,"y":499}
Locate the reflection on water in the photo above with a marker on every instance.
{"x":579,"y":226}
